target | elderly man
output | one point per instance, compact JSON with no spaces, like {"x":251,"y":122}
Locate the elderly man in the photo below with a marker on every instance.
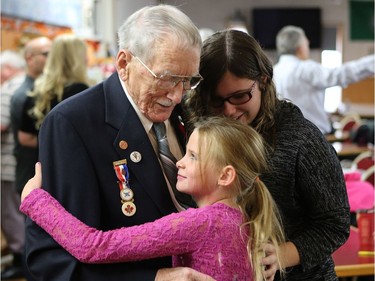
{"x":100,"y":142}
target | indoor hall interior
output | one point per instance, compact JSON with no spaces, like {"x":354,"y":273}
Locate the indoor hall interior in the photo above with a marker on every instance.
{"x":339,"y":31}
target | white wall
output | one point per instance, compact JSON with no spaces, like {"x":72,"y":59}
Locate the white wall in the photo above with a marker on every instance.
{"x":215,"y":14}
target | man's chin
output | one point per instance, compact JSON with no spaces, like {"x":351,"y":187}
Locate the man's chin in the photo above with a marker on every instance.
{"x":159,"y":116}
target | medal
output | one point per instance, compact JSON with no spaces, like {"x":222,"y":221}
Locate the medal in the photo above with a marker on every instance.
{"x":128,"y":209}
{"x":126,"y":193}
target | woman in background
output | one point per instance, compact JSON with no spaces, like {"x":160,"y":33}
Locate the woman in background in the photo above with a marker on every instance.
{"x":64,"y":75}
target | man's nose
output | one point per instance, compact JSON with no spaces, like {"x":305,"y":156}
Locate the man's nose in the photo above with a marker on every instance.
{"x":176,"y":93}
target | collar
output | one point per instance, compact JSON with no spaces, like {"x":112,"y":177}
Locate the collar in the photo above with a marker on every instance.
{"x":147,"y":124}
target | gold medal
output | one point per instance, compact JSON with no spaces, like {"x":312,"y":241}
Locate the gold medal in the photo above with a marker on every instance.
{"x":128,"y":209}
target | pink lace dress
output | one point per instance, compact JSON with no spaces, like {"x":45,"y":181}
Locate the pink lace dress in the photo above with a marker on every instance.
{"x":207,"y":239}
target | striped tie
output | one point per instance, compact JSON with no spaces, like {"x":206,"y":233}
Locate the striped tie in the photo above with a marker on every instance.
{"x":169,"y":165}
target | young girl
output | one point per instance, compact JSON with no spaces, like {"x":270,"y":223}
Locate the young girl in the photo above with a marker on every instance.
{"x":223,"y":238}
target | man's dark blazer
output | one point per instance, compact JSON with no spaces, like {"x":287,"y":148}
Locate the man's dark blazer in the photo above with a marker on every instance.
{"x":79,"y":141}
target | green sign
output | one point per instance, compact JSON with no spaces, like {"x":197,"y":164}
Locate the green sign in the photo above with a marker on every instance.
{"x":362,"y":19}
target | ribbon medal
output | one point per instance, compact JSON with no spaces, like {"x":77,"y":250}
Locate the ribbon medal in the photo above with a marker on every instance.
{"x":126,"y":193}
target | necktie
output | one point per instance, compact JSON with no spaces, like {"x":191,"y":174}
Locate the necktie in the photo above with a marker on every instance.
{"x":169,"y":165}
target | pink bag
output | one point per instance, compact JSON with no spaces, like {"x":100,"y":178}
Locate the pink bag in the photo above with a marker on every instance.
{"x":360,"y":193}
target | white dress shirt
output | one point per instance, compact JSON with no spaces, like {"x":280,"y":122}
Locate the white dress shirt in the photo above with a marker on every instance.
{"x":304,"y":82}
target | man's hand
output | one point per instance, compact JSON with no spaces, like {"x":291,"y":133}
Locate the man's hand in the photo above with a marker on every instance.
{"x":181,"y":274}
{"x":269,"y":262}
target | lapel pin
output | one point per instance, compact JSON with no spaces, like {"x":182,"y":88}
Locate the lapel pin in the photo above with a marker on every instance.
{"x":123,"y":144}
{"x":135,"y":156}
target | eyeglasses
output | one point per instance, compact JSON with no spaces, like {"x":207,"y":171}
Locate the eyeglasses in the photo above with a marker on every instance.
{"x":42,"y":54}
{"x":169,"y":81}
{"x":236,"y":99}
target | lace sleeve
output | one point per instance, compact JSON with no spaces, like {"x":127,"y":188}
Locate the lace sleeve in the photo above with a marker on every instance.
{"x":171,"y":235}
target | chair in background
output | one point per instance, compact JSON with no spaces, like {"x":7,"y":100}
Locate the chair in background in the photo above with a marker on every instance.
{"x":368,"y":175}
{"x":363,"y":161}
{"x":350,"y":122}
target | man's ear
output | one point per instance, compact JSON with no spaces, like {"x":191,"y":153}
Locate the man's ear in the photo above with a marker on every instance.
{"x":227,"y":176}
{"x":299,"y":52}
{"x":122,"y":61}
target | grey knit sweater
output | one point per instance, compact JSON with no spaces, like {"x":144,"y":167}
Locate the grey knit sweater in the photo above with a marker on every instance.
{"x":307,"y":183}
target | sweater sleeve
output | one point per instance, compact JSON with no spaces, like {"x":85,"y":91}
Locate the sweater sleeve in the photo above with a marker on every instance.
{"x":307,"y":182}
{"x":321,"y":184}
{"x":162,"y":237}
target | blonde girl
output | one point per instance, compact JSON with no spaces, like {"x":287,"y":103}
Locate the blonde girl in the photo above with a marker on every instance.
{"x":223,"y":238}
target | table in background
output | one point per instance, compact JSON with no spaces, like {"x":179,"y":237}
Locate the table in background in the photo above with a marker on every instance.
{"x":338,"y":136}
{"x":350,"y":150}
{"x":347,"y":261}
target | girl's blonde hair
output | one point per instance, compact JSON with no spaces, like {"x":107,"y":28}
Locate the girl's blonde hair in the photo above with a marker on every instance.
{"x":228,"y":142}
{"x":65,"y":65}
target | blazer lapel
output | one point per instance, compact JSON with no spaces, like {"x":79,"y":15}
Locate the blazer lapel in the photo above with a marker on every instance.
{"x":146,"y":173}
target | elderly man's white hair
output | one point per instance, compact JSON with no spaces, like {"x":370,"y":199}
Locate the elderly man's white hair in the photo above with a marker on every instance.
{"x":288,"y":39}
{"x":12,"y":58}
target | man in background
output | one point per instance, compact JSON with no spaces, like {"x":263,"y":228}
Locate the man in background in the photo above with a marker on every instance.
{"x":12,"y":221}
{"x":304,"y":81}
{"x":35,"y":54}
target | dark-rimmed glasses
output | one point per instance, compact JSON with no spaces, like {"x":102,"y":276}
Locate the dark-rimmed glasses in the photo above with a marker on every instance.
{"x":236,"y":99}
{"x":168,"y":81}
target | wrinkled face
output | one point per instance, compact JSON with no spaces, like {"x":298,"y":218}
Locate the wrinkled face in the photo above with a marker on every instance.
{"x":154,"y":102}
{"x":190,"y":179}
{"x":231,"y":85}
{"x":7,"y":72}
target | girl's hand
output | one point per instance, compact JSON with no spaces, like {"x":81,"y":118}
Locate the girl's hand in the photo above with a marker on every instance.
{"x":33,"y":183}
